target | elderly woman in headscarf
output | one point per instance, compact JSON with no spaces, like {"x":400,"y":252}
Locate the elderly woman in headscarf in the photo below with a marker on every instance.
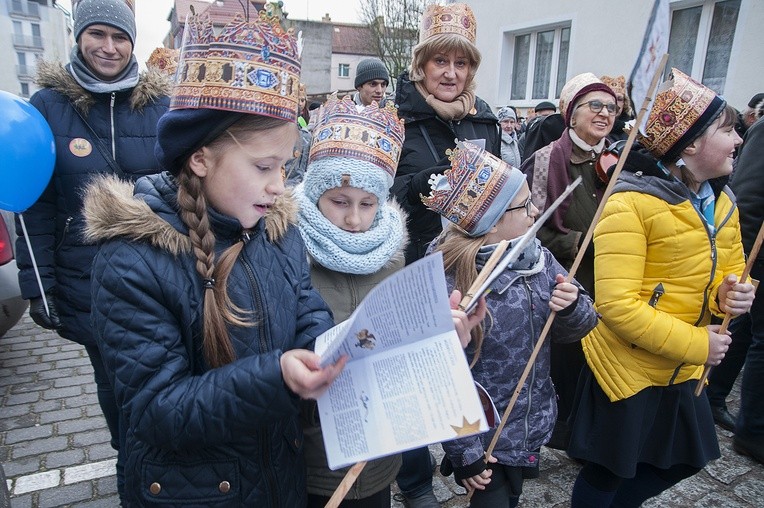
{"x":436,"y":100}
{"x":510,"y":149}
{"x":589,"y":108}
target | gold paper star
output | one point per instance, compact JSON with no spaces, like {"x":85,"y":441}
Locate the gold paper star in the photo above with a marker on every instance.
{"x":467,"y":428}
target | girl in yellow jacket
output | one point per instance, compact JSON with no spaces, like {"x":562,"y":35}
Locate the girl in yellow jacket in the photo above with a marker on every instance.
{"x":667,"y":256}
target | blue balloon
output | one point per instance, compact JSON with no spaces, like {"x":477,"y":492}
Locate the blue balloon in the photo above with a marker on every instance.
{"x":27,"y":153}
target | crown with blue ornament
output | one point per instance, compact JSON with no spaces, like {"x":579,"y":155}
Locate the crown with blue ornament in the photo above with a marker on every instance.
{"x":475,"y":191}
{"x":250,"y":67}
{"x":372,"y":134}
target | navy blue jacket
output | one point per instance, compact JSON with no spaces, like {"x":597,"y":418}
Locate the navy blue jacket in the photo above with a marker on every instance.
{"x":128,"y":127}
{"x":227,"y":436}
{"x":418,"y":161}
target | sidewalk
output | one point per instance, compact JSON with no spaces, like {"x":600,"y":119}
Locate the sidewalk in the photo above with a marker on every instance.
{"x":54,"y":445}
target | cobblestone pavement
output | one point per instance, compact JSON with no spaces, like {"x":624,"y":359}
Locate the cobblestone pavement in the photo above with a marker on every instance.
{"x":54,"y":445}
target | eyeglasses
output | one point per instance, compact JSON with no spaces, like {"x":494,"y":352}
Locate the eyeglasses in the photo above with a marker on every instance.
{"x":596,"y":106}
{"x":528,"y":205}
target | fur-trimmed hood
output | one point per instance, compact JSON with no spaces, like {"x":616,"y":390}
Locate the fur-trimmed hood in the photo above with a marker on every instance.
{"x":151,"y":86}
{"x":114,"y":208}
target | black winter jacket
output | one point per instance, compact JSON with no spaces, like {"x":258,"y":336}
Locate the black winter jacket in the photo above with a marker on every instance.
{"x":126,"y":124}
{"x":748,"y":184}
{"x":418,"y":161}
{"x":197,"y":436}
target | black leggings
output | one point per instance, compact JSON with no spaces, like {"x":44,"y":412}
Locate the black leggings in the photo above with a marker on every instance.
{"x":632,"y":492}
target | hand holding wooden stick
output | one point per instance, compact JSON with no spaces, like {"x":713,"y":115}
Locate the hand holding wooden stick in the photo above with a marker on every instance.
{"x":727,"y":316}
{"x":483,"y":275}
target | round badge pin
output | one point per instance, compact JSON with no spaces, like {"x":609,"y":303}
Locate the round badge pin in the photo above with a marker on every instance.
{"x":80,"y":147}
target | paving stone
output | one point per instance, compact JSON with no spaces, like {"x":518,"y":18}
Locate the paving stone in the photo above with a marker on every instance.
{"x":106,"y":486}
{"x":727,"y":469}
{"x":59,"y":372}
{"x":39,"y":446}
{"x":14,"y":380}
{"x":21,"y":398}
{"x":45,"y":406}
{"x":73,"y":381}
{"x":72,"y":362}
{"x":83,"y":400}
{"x":37,"y":386}
{"x":93,"y":437}
{"x":28,"y":434}
{"x":60,"y":415}
{"x":67,"y":458}
{"x":25,"y":501}
{"x":58,"y":356}
{"x":66,"y":495}
{"x":22,"y":466}
{"x":751,"y":489}
{"x":62,"y":393}
{"x":35,"y":482}
{"x":34,"y":368}
{"x":100,"y":451}
{"x":18,"y":422}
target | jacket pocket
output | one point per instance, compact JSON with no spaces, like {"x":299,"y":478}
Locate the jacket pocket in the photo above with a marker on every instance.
{"x":213,"y":483}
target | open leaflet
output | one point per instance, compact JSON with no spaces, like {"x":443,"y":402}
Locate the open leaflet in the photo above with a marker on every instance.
{"x":407,"y":383}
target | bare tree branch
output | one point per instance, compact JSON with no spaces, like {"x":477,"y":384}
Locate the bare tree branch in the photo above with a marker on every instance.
{"x":394,"y":25}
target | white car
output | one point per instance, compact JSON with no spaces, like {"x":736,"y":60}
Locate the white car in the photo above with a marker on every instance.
{"x":12,"y":306}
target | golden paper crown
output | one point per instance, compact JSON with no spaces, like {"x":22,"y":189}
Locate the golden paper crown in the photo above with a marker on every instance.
{"x":448,"y":19}
{"x":372,"y":134}
{"x":683,"y":109}
{"x":164,"y":60}
{"x":251,"y":67}
{"x":617,"y":84}
{"x":475,"y":192}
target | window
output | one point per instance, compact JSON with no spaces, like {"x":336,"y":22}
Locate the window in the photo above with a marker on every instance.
{"x":701,"y":39}
{"x":540,"y":63}
{"x":343,"y":71}
{"x":18,"y":28}
{"x":25,"y":89}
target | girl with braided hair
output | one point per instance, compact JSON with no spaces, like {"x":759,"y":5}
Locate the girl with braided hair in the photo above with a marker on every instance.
{"x":202,"y":302}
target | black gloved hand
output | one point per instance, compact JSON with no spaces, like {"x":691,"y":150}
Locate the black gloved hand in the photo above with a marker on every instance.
{"x":38,"y":314}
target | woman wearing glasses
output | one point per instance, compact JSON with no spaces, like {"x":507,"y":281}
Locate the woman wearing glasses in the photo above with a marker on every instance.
{"x":588,"y":107}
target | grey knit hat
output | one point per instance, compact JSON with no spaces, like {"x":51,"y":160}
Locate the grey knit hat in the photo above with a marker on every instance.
{"x":506,"y":113}
{"x":114,"y":13}
{"x":369,"y":69}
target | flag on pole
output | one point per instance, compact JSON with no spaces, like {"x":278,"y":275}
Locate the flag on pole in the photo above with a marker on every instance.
{"x":654,"y":46}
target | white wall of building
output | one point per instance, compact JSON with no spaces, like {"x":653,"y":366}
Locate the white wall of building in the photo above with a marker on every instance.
{"x":605,"y":38}
{"x":53,"y":43}
{"x":344,"y":83}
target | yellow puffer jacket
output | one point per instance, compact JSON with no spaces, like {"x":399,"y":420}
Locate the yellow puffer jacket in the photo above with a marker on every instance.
{"x":657,"y":273}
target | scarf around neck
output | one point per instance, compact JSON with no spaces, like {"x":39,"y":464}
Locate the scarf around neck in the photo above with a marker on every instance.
{"x":457,"y":109}
{"x":82,"y":74}
{"x":527,"y":259}
{"x":354,"y":253}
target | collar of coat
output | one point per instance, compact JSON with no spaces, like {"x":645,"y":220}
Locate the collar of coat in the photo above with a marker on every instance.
{"x":112,"y":211}
{"x":151,"y":86}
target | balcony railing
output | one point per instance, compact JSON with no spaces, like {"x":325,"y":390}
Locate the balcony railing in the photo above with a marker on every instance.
{"x":26,"y":9}
{"x":27,"y":41}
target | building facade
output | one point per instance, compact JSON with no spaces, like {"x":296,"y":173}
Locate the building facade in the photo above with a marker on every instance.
{"x":530,"y":48}
{"x":31,"y":30}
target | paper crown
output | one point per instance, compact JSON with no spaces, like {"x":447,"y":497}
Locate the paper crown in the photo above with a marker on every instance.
{"x":683,"y":109}
{"x":251,"y":67}
{"x":448,"y":19}
{"x":617,"y":84}
{"x":372,"y":134}
{"x":475,"y":192}
{"x":164,"y":60}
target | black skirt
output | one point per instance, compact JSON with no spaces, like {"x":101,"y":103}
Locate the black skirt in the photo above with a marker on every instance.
{"x":660,"y":425}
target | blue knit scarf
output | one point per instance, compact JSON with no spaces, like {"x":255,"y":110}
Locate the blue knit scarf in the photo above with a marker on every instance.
{"x":354,"y":253}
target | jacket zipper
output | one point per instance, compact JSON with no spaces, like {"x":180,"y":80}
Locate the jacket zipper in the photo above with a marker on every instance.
{"x":65,"y":232}
{"x":265,"y":463}
{"x":111,"y":118}
{"x":532,"y":379}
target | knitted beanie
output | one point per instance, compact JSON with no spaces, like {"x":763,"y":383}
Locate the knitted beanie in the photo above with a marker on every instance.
{"x":506,"y":113}
{"x":115,"y":13}
{"x":369,"y":69}
{"x":330,"y":172}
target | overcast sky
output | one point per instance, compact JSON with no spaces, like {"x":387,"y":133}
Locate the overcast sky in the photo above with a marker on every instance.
{"x":152,"y":24}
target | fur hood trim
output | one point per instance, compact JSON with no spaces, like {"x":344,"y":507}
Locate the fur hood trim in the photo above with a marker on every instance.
{"x":111,"y":211}
{"x":151,"y":86}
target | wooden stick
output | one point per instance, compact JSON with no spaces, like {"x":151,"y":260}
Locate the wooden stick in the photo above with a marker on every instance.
{"x":345,"y":484}
{"x":727,"y":316}
{"x":579,"y":257}
{"x":484,"y":273}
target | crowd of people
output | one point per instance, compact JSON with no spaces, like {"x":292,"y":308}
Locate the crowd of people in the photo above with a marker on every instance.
{"x":199,"y":233}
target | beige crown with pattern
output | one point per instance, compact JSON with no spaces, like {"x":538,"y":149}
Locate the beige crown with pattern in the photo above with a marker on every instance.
{"x":448,"y":19}
{"x":251,"y":67}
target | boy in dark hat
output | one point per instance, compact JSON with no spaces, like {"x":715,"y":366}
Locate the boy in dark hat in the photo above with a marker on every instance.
{"x":371,"y":80}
